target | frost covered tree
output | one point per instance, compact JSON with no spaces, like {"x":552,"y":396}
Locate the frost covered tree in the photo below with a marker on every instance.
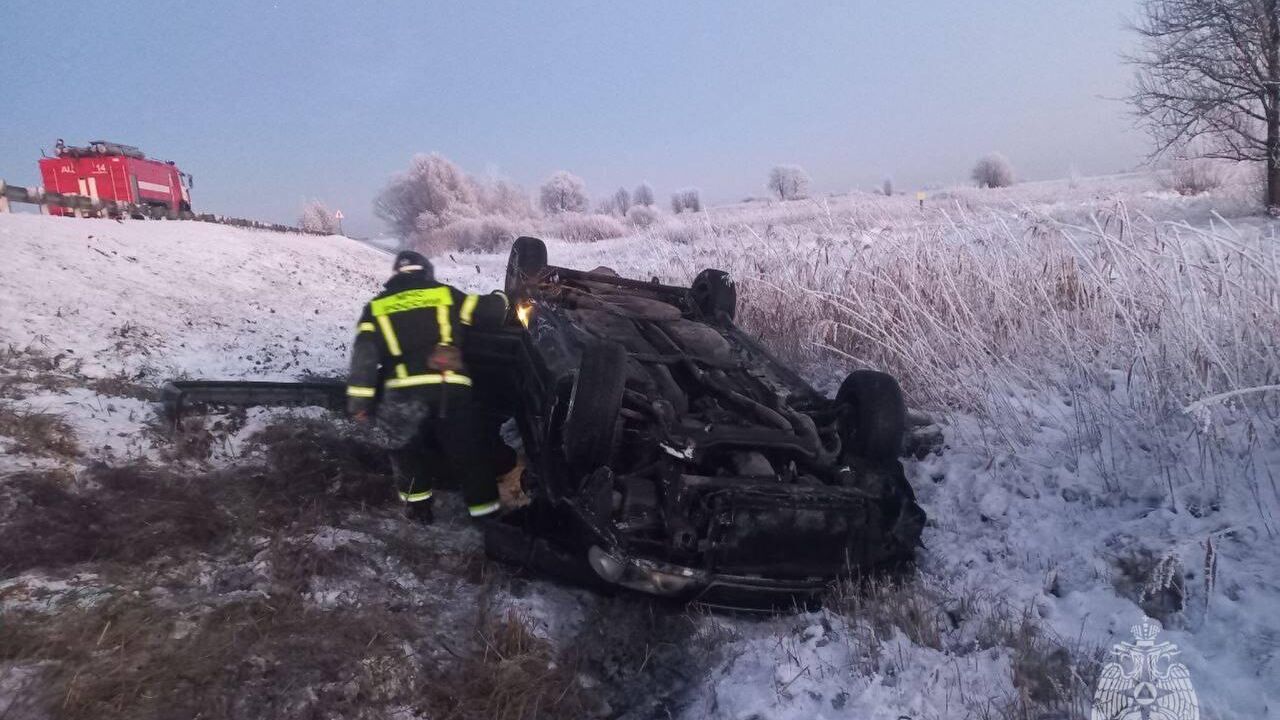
{"x":688,"y":199}
{"x":1209,"y":78}
{"x":431,"y":194}
{"x":563,"y":192}
{"x":622,"y":201}
{"x":887,"y":187}
{"x":504,"y":198}
{"x":643,"y":195}
{"x":317,"y":218}
{"x":993,"y":171}
{"x":691,"y":199}
{"x":788,"y":182}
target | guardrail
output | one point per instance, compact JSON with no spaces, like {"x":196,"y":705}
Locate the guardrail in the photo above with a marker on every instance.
{"x":83,"y":206}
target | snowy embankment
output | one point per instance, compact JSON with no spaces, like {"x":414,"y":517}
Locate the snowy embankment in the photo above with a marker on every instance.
{"x":98,"y":303}
{"x":154,"y":300}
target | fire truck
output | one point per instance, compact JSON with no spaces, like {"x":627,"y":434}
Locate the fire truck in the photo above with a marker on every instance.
{"x":118,"y":178}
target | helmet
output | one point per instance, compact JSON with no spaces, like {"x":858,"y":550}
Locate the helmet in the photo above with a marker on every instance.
{"x":410,"y":261}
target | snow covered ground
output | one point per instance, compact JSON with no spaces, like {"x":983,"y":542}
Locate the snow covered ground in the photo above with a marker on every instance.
{"x":1073,"y":495}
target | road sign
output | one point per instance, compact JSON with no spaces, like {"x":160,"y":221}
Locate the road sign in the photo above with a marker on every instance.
{"x":337,"y":215}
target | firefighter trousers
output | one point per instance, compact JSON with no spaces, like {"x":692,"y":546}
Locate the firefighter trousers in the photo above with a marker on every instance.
{"x":437,"y":434}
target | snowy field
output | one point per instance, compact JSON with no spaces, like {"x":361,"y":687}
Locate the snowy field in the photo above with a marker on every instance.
{"x":1099,"y":353}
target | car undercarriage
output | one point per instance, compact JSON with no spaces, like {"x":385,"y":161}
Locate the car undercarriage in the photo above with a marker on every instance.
{"x":674,"y":455}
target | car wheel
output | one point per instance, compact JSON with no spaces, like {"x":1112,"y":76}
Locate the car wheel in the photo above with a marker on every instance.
{"x":713,"y":293}
{"x":527,"y":261}
{"x":591,"y":421}
{"x":875,"y":417}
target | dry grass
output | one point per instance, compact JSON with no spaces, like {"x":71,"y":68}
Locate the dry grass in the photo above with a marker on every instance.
{"x":127,"y":514}
{"x":37,"y":433}
{"x":1050,"y":676}
{"x":255,"y":657}
{"x":181,"y":650}
{"x":512,"y":675}
{"x":121,"y":385}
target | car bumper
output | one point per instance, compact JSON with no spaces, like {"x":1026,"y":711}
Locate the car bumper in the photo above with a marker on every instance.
{"x":714,"y":589}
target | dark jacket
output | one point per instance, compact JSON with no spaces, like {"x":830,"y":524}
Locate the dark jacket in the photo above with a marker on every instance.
{"x":411,"y":335}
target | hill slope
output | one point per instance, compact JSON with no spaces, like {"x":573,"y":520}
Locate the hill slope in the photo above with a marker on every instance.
{"x":155,"y":299}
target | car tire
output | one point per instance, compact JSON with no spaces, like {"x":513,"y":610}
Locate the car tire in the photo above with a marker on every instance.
{"x":714,"y":293}
{"x":527,"y":261}
{"x":875,"y":416}
{"x":591,"y":421}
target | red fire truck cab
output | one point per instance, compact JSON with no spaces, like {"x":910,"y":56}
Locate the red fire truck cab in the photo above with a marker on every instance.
{"x":120,"y":174}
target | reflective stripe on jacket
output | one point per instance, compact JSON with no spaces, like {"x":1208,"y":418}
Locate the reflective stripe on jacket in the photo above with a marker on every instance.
{"x":402,"y":327}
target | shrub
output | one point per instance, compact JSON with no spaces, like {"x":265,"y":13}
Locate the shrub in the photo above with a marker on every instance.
{"x":1193,"y":176}
{"x":641,"y":216}
{"x":317,"y":218}
{"x":993,"y":171}
{"x":643,"y":195}
{"x":482,"y":234}
{"x":688,"y":199}
{"x":504,"y":198}
{"x":563,"y":192}
{"x":576,"y":227}
{"x":789,"y":182}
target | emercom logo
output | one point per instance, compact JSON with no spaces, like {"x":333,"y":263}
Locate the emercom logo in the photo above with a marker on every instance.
{"x":1143,"y":682}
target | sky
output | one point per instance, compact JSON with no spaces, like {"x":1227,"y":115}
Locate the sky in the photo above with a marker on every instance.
{"x":269,"y":104}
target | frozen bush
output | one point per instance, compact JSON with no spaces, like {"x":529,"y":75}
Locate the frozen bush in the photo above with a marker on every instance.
{"x":677,"y":232}
{"x":431,"y":194}
{"x":576,"y":227}
{"x":643,"y":195}
{"x":564,"y":192}
{"x":789,"y":182}
{"x":1193,"y":176}
{"x":642,"y":216}
{"x":317,"y":218}
{"x":482,"y":234}
{"x":500,"y":197}
{"x":993,"y":171}
{"x":686,"y":200}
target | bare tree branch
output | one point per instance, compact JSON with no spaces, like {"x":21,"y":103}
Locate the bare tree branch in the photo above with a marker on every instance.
{"x":1209,"y":80}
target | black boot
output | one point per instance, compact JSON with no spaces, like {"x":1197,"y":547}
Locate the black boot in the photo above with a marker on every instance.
{"x":419,"y":512}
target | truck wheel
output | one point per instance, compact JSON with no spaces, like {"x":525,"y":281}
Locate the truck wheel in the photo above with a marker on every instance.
{"x":874,"y":421}
{"x":714,"y":293}
{"x":590,"y":423}
{"x":527,"y":261}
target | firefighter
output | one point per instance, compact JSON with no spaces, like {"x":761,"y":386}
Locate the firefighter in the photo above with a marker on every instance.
{"x":407,"y":364}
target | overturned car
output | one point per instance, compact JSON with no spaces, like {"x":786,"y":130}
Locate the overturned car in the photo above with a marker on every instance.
{"x":671,"y":454}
